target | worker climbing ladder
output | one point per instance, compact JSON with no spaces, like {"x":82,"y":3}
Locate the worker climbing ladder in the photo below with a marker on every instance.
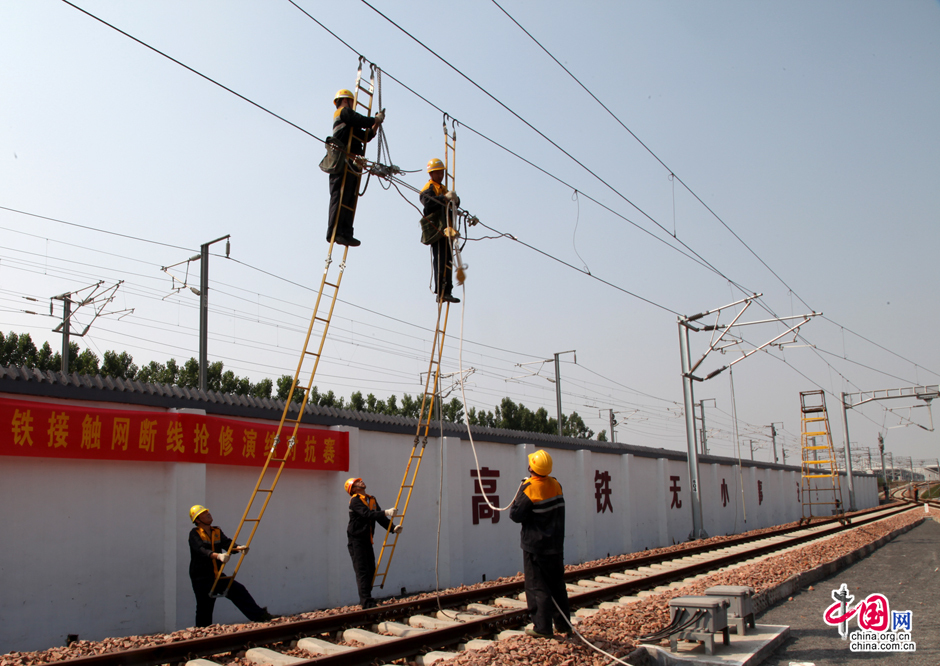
{"x":283,"y":446}
{"x":426,"y":415}
{"x":820,"y":485}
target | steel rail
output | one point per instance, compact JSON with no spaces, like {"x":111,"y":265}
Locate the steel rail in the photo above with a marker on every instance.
{"x":181,"y":651}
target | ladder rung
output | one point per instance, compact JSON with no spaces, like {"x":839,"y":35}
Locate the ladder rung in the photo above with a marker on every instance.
{"x":816,"y":434}
{"x":311,"y":353}
{"x":265,"y":490}
{"x":817,"y":462}
{"x":278,"y":460}
{"x":814,"y":419}
{"x":818,"y":476}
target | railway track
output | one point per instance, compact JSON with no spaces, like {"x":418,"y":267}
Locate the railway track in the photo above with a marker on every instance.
{"x":417,"y":629}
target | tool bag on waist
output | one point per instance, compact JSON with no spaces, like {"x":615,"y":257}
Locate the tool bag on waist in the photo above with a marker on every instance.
{"x":332,"y":163}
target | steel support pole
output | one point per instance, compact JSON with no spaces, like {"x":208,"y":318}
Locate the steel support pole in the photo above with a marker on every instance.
{"x":884,"y":471}
{"x":773,"y":438}
{"x":698,"y":530}
{"x":848,"y":454}
{"x":66,"y":327}
{"x":701,"y":406}
{"x":203,"y":316}
{"x":558,"y":391}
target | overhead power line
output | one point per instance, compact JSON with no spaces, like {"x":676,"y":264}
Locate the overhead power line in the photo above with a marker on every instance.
{"x":696,"y":257}
{"x":194,"y":71}
{"x":650,"y":151}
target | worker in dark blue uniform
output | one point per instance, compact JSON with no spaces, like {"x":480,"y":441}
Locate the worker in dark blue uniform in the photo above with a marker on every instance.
{"x":364,"y":513}
{"x":347,"y":121}
{"x":435,"y":224}
{"x":540,"y":508}
{"x":208,"y":548}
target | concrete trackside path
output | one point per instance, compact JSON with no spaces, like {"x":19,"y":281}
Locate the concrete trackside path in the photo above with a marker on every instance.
{"x":905,"y":572}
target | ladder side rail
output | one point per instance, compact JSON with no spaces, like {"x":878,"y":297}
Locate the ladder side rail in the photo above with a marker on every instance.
{"x":304,"y":353}
{"x":425,"y":421}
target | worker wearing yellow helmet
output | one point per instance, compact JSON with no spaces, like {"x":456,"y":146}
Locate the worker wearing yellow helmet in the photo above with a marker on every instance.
{"x":351,"y":131}
{"x":540,"y":508}
{"x":435,"y":198}
{"x":208,"y":549}
{"x":364,"y":513}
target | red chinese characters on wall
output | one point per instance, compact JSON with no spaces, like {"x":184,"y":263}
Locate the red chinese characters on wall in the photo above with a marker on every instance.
{"x":675,"y":489}
{"x":484,"y":482}
{"x":44,"y":430}
{"x":602,"y":491}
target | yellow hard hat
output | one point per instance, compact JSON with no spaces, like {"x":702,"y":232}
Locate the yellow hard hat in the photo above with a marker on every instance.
{"x":350,"y":482}
{"x":540,"y":462}
{"x":195,"y":511}
{"x":342,"y":93}
{"x":435,"y":165}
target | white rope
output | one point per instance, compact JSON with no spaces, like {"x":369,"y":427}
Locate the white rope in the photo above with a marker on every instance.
{"x":466,"y":417}
{"x":583,"y":639}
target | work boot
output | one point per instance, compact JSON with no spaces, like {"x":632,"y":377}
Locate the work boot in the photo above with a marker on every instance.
{"x":266,"y":616}
{"x":450,"y":298}
{"x":529,"y":631}
{"x":348,"y":241}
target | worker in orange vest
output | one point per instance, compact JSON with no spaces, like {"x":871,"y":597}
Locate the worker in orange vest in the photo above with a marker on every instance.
{"x":540,"y":508}
{"x":364,"y":513}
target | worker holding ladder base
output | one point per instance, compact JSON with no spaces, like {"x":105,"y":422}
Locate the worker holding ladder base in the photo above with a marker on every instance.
{"x":364,"y":513}
{"x":207,"y":547}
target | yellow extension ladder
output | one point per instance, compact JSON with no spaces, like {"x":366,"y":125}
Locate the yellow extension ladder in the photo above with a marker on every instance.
{"x":820,"y":483}
{"x":430,"y":387}
{"x":278,"y":456}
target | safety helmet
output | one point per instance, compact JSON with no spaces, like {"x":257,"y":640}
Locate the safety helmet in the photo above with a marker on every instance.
{"x":342,"y":93}
{"x":195,"y":511}
{"x":435,"y":165}
{"x":540,"y":462}
{"x":350,"y":482}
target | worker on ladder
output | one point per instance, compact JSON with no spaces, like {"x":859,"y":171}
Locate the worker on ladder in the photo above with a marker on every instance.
{"x":363,"y":128}
{"x":364,"y":513}
{"x":436,"y":226}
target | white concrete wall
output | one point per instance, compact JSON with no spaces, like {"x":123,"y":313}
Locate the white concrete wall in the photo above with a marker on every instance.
{"x":100,"y":548}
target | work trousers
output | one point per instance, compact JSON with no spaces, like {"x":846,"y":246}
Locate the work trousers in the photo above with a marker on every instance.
{"x":350,"y":198}
{"x":545,"y":581}
{"x":442,"y":261}
{"x":363,"y":561}
{"x":237,"y":594}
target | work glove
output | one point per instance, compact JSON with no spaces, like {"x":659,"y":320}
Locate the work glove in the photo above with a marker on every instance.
{"x":451,"y":196}
{"x":397,"y":529}
{"x":389,"y":512}
{"x":380,"y":117}
{"x":241,"y":549}
{"x":223,"y":557}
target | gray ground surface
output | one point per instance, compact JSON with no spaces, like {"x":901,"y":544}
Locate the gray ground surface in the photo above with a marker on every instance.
{"x":906,"y":571}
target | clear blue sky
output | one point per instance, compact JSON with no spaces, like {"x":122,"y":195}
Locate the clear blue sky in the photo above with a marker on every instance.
{"x":809,"y":129}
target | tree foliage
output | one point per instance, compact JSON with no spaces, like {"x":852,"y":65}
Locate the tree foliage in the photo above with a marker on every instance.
{"x":19,"y":350}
